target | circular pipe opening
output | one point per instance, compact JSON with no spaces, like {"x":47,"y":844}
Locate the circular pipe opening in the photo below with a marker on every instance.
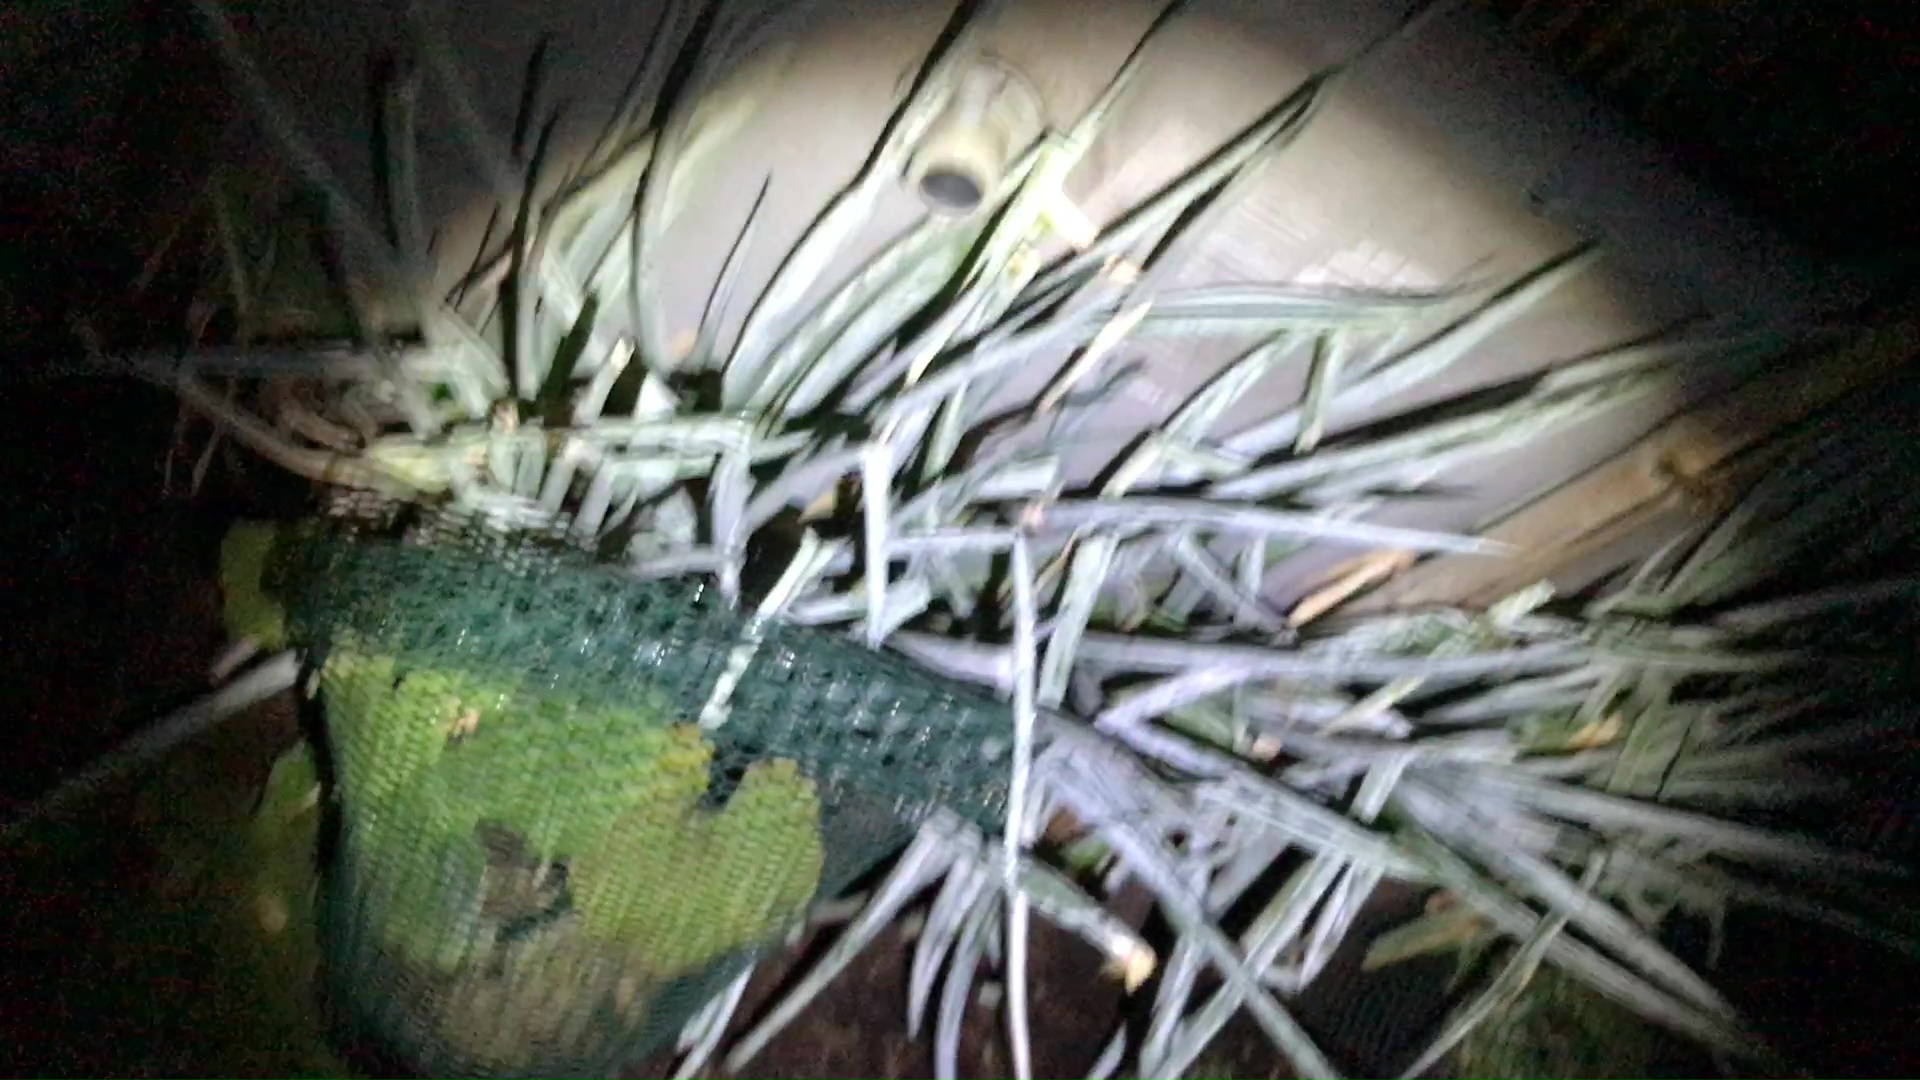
{"x":963,"y":157}
{"x":951,"y":191}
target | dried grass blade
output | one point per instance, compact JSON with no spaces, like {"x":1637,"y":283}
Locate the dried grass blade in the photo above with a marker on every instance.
{"x":1604,"y":811}
{"x":721,"y":296}
{"x":1329,"y":355}
{"x":1155,"y":870}
{"x":922,"y":863}
{"x":849,"y":212}
{"x":710,"y":1026}
{"x":1507,"y":985}
{"x":1608,"y":978}
{"x":1429,"y":357}
{"x":957,"y":899}
{"x":1141,"y":512}
{"x":957,"y":993}
{"x":1468,"y":833}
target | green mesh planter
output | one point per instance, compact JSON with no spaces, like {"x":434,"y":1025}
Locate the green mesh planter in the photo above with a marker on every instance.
{"x":546,"y":862}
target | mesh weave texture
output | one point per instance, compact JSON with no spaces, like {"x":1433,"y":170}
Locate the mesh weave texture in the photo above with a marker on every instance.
{"x":544,"y":863}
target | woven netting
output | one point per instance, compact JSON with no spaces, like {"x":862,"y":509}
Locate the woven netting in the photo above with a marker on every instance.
{"x":556,"y":840}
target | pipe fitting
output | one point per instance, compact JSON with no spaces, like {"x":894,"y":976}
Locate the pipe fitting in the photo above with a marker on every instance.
{"x":962,"y":160}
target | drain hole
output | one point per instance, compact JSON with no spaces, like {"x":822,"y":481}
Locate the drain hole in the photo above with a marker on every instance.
{"x":954,"y":192}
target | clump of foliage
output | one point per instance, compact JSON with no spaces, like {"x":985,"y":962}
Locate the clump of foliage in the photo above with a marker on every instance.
{"x":1571,"y":773}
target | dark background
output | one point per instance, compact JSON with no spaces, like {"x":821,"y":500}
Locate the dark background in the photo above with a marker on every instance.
{"x":1800,"y":109}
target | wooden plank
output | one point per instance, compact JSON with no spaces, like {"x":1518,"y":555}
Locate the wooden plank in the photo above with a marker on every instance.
{"x":1679,"y":467}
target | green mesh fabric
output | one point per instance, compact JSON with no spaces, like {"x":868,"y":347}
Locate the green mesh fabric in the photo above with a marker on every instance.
{"x":544,"y":864}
